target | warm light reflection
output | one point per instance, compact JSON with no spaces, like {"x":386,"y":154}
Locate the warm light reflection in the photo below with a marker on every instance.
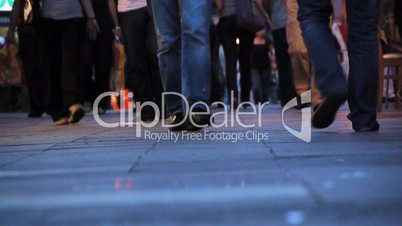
{"x":123,"y":183}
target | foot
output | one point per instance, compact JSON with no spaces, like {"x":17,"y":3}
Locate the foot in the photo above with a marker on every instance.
{"x":147,"y":116}
{"x":76,"y":112}
{"x":325,"y":113}
{"x":177,"y":123}
{"x":61,"y":121}
{"x":370,"y":128}
{"x":200,"y":119}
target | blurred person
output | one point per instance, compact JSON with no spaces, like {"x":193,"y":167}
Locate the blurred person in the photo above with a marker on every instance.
{"x":398,"y":18}
{"x":97,"y":58}
{"x":184,"y":58}
{"x":217,"y":75}
{"x":229,"y":32}
{"x":260,"y":68}
{"x":278,"y":13}
{"x":390,"y":43}
{"x":62,"y":28}
{"x":362,"y":17}
{"x":134,"y":25}
{"x":301,"y":66}
{"x":28,"y":48}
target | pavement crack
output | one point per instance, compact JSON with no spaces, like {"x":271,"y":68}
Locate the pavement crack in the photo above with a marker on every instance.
{"x":314,"y":194}
{"x":27,"y":156}
{"x":276,"y":159}
{"x":138,"y":162}
{"x":92,"y":134}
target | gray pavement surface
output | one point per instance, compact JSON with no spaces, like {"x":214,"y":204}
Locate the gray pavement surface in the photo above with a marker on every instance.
{"x":85,"y":174}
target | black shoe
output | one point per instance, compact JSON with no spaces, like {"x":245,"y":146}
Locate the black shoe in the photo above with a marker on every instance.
{"x":35,"y":114}
{"x":76,"y":112}
{"x":325,"y":113}
{"x":200,"y":121}
{"x":176,"y":119}
{"x":147,"y":116}
{"x":371,"y":128}
{"x":246,"y":105}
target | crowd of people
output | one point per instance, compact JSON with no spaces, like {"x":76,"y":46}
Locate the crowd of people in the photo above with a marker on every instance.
{"x":174,"y":46}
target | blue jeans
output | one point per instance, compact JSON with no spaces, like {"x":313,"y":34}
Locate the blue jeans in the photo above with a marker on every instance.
{"x":363,"y":45}
{"x":183,"y":49}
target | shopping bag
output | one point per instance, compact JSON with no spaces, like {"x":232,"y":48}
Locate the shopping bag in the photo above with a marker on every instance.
{"x":10,"y":65}
{"x":118,"y":70}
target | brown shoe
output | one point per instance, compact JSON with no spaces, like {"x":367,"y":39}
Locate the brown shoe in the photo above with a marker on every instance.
{"x":62,"y":121}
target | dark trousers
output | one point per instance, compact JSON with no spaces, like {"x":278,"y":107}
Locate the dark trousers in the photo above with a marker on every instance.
{"x":142,"y":69}
{"x":97,"y":60}
{"x":61,"y":42}
{"x":363,"y":54}
{"x":217,"y":77}
{"x":229,"y":31}
{"x":29,"y":52}
{"x":286,"y":88}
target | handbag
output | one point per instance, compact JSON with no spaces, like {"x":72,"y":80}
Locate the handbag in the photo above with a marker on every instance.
{"x":117,"y":79}
{"x":248,"y":16}
{"x":11,"y":72}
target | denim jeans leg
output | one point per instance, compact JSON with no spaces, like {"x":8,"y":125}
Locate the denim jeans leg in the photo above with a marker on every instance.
{"x":314,"y":16}
{"x":196,"y":59}
{"x":363,"y":58}
{"x":167,"y":26}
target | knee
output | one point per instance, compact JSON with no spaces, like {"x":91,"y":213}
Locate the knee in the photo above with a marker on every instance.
{"x":168,"y":43}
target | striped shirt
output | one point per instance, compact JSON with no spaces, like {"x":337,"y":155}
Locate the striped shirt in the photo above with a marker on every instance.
{"x":61,"y":9}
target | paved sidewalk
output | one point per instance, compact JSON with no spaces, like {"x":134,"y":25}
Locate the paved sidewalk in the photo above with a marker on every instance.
{"x":85,"y":174}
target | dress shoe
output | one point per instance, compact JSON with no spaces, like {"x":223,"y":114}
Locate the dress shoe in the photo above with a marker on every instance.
{"x":147,"y":116}
{"x":325,"y":113}
{"x":200,"y":119}
{"x":176,"y":119}
{"x":370,"y":128}
{"x":76,"y":113}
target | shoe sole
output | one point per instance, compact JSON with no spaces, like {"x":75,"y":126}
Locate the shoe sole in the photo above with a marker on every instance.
{"x":372,"y":128}
{"x":62,"y":122}
{"x":325,"y":114}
